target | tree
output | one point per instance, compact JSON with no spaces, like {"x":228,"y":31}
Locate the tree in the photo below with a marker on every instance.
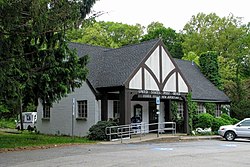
{"x":92,"y":34}
{"x":225,"y":35}
{"x":171,"y":39}
{"x":107,"y":34}
{"x":230,"y":39}
{"x":209,"y":67}
{"x":240,"y":95}
{"x":191,"y":56}
{"x":123,"y":34}
{"x":200,"y":33}
{"x":36,"y":62}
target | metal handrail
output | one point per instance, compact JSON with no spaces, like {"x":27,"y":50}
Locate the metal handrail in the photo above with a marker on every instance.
{"x":138,"y":129}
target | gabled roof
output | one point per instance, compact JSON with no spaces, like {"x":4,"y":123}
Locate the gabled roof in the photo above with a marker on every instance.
{"x":202,"y":88}
{"x":112,"y":67}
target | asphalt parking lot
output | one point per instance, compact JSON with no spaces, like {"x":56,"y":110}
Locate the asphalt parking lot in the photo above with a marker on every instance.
{"x":201,"y":153}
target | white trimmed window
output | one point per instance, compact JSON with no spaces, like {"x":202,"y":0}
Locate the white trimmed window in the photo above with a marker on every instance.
{"x":116,"y":109}
{"x":82,"y":111}
{"x":180,"y":109}
{"x":218,"y":110}
{"x":201,"y":108}
{"x":46,"y":111}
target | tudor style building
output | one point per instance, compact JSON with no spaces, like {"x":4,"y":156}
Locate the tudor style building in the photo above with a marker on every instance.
{"x":124,"y":83}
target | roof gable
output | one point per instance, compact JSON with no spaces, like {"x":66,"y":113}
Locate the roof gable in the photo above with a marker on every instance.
{"x":158,"y":72}
{"x":134,"y":66}
{"x":118,"y":64}
{"x":111,"y":67}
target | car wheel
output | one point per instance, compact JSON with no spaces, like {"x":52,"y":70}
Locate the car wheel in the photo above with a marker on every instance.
{"x":230,"y":136}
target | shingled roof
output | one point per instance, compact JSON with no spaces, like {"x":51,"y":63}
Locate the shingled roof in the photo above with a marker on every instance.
{"x":112,"y":67}
{"x":202,"y":88}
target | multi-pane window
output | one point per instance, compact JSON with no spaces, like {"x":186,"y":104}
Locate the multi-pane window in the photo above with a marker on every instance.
{"x":218,"y":110}
{"x":200,"y":108}
{"x":116,"y":109}
{"x":46,"y":111}
{"x":180,"y":109}
{"x":82,"y":109}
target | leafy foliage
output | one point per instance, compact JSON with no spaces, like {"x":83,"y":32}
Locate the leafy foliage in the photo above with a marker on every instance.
{"x":3,"y":109}
{"x":224,"y":119}
{"x":210,"y":108}
{"x":230,"y":119}
{"x":170,"y":38}
{"x":176,"y":117}
{"x":204,"y":120}
{"x":36,"y":62}
{"x":230,"y":39}
{"x":107,"y":34}
{"x":226,"y":35}
{"x":7,"y":123}
{"x":209,"y":67}
{"x":240,"y":94}
{"x":191,"y":56}
{"x":219,"y":121}
{"x":97,"y":131}
{"x":207,"y":120}
{"x":192,"y":109}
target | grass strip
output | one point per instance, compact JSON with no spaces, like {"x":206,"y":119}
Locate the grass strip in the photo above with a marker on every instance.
{"x":29,"y":139}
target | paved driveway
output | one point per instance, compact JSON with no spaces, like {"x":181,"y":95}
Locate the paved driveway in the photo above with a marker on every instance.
{"x":205,"y":153}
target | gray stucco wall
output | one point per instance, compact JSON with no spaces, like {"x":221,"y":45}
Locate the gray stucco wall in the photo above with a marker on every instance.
{"x":60,"y":121}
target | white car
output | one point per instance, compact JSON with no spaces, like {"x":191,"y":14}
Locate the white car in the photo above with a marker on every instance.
{"x":239,"y":130}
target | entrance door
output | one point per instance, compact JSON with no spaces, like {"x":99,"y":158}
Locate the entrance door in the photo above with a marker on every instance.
{"x":153,"y":116}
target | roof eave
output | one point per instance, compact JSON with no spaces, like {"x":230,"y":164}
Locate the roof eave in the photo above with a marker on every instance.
{"x":212,"y":101}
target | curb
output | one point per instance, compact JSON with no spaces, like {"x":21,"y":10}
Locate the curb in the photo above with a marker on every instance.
{"x":200,"y":138}
{"x":164,"y":139}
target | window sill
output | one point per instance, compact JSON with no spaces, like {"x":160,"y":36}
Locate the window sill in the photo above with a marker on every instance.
{"x":81,"y":118}
{"x":45,"y":119}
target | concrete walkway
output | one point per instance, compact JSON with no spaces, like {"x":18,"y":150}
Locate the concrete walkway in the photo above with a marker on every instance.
{"x":152,"y":137}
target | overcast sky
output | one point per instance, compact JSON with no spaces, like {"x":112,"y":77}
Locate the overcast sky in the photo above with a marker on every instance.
{"x":172,"y":13}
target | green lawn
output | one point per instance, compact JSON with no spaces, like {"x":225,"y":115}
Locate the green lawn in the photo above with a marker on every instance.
{"x":28,"y":139}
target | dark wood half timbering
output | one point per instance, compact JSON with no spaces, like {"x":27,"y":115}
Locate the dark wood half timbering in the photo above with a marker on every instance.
{"x":161,"y":82}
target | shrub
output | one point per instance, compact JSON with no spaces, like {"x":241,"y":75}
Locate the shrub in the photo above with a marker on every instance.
{"x":206,"y":120}
{"x":227,"y":117}
{"x":224,"y":119}
{"x":219,"y":121}
{"x":7,"y":123}
{"x":234,"y":121}
{"x":203,"y":121}
{"x":97,"y":131}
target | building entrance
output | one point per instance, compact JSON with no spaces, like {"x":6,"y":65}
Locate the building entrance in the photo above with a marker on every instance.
{"x":153,"y":116}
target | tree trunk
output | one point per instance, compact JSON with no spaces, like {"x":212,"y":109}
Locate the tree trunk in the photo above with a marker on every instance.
{"x":21,"y":117}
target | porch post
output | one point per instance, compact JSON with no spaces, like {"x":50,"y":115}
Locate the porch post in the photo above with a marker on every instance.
{"x":185,"y":108}
{"x":125,"y":107}
{"x":167,"y":109}
{"x":104,"y":107}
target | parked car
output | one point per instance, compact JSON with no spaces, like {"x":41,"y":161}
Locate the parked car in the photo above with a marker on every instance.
{"x":239,"y":130}
{"x":29,"y":121}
